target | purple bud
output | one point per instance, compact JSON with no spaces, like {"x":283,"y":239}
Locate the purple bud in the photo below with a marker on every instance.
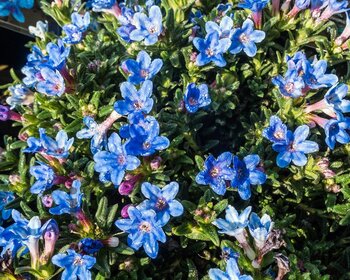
{"x":111,"y":242}
{"x":4,"y":113}
{"x":124,"y":211}
{"x":126,"y":188}
{"x":47,"y":200}
{"x":155,"y":163}
{"x":193,"y":57}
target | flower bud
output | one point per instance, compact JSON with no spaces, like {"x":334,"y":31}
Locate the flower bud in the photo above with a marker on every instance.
{"x":111,"y":242}
{"x":283,"y":266}
{"x":124,"y":211}
{"x":155,"y":163}
{"x":47,"y":200}
{"x":14,"y":179}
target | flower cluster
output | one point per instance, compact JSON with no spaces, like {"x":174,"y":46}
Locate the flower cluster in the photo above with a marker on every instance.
{"x":46,"y":70}
{"x":222,"y":38}
{"x":218,"y":173}
{"x":144,"y":223}
{"x":75,"y":30}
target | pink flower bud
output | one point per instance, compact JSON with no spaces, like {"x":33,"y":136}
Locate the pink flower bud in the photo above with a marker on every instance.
{"x":155,"y":163}
{"x":124,"y":211}
{"x":47,"y":200}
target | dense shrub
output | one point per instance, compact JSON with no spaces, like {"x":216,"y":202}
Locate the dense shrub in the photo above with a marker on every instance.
{"x":145,"y":127}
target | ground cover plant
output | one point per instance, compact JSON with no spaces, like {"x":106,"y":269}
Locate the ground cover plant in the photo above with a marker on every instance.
{"x":179,"y":139}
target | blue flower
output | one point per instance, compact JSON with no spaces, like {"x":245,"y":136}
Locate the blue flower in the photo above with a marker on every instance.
{"x":68,"y":203}
{"x":20,"y":95}
{"x":144,"y":136}
{"x":225,"y":29}
{"x":14,"y":7}
{"x":232,"y":272}
{"x":333,"y":7}
{"x":57,"y":54}
{"x":101,"y":5}
{"x":75,"y":265}
{"x":144,"y":230}
{"x":211,"y":49}
{"x":216,"y":172}
{"x":39,"y":30}
{"x":74,"y":31}
{"x":99,"y":139}
{"x":223,"y":8}
{"x":126,"y":19}
{"x":227,"y":253}
{"x":290,"y":86}
{"x":51,"y":82}
{"x":246,"y":173}
{"x":115,"y":161}
{"x":276,"y":132}
{"x":196,"y":97}
{"x":34,"y":145}
{"x":302,"y":4}
{"x":58,"y":148}
{"x":233,"y":224}
{"x":296,"y":63}
{"x":334,"y":98}
{"x":135,"y":100}
{"x":315,"y":76}
{"x":147,"y":28}
{"x":5,"y":198}
{"x":336,"y":131}
{"x":253,"y":5}
{"x":162,"y":201}
{"x":245,"y":38}
{"x":90,"y":246}
{"x":295,"y":147}
{"x":260,"y":228}
{"x":44,"y":176}
{"x":141,"y":69}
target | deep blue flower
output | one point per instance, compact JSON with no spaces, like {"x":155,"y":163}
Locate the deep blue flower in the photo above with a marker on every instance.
{"x":75,"y":265}
{"x":334,"y":98}
{"x":5,"y":198}
{"x":225,"y":29}
{"x":51,"y":82}
{"x":216,"y":172}
{"x":253,"y":5}
{"x":276,"y":132}
{"x":14,"y":7}
{"x":233,"y":224}
{"x":74,"y":31}
{"x":44,"y":176}
{"x":135,"y":100}
{"x":90,"y":246}
{"x":144,"y":136}
{"x":20,"y":95}
{"x":289,"y":86}
{"x":337,"y":131}
{"x":315,"y":76}
{"x":115,"y":161}
{"x":57,"y":54}
{"x":196,"y":97}
{"x":148,"y":28}
{"x":194,"y":16}
{"x":126,"y":20}
{"x":227,"y":253}
{"x":144,"y":230}
{"x":141,"y":69}
{"x":211,"y":49}
{"x":246,"y":173}
{"x":260,"y":228}
{"x":162,"y":201}
{"x":232,"y":272}
{"x":93,"y":132}
{"x":58,"y":148}
{"x":68,"y":203}
{"x":245,"y":38}
{"x":295,"y":147}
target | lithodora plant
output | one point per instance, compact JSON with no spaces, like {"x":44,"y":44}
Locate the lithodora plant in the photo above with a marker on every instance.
{"x":181,"y":139}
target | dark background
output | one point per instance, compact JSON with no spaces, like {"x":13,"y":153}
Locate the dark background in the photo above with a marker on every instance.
{"x":12,"y":53}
